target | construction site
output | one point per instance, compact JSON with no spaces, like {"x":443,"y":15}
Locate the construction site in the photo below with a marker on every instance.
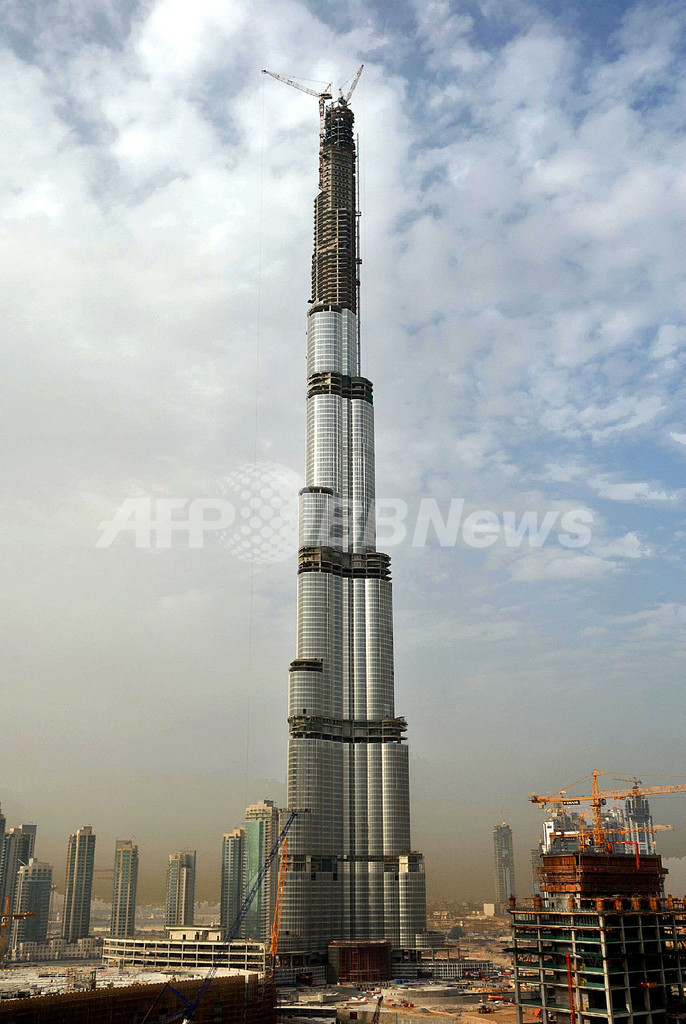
{"x":601,"y":941}
{"x":243,"y":1000}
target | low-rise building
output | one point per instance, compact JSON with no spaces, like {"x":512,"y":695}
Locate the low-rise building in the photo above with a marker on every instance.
{"x":185,"y":947}
{"x":87,"y":948}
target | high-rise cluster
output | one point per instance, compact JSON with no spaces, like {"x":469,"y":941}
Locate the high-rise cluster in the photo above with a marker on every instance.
{"x":244,"y":851}
{"x":352,"y":871}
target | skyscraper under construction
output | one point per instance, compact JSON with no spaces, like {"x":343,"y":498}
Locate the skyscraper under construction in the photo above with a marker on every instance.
{"x":352,"y":873}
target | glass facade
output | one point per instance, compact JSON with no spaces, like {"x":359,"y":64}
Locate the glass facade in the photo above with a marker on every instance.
{"x":231,"y":892}
{"x":78,"y":884}
{"x":352,"y":873}
{"x":34,"y":886}
{"x":123,"y":921}
{"x":180,"y":897}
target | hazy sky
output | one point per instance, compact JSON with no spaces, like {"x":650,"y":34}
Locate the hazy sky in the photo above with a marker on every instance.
{"x":523,"y":194}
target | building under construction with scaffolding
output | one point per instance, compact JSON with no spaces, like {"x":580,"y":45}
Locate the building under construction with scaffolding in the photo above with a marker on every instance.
{"x":601,"y":942}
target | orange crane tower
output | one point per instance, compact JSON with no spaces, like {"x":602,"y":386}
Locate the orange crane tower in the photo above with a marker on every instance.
{"x":278,"y":906}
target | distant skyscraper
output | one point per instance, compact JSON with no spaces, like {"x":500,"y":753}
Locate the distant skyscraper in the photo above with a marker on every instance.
{"x":180,"y":889}
{"x":231,"y":892}
{"x":639,"y":822}
{"x":504,"y":867}
{"x":3,"y":823}
{"x":78,"y":884}
{"x":261,"y":832}
{"x":34,"y":886}
{"x":17,"y":849}
{"x":123,"y":921}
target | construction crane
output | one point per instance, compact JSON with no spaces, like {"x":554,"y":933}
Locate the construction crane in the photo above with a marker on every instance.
{"x":186,"y":1013}
{"x":5,"y":922}
{"x":322,"y":97}
{"x":280,"y":886}
{"x":622,"y":830}
{"x":597,"y":798}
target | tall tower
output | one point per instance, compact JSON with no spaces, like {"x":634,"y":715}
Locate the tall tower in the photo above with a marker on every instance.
{"x":123,"y":920}
{"x":231,"y":891}
{"x":261,"y":829}
{"x":504,"y":866}
{"x":180,"y":889}
{"x":34,"y":886}
{"x":78,"y":884}
{"x":352,"y":872}
{"x":17,"y":849}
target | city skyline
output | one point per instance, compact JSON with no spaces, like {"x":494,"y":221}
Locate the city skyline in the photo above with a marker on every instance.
{"x":522,"y":237}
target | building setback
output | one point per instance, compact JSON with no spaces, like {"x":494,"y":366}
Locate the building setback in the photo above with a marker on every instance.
{"x":504,"y":867}
{"x":78,"y":884}
{"x":352,"y":874}
{"x":34,"y":888}
{"x":180,"y":898}
{"x":123,"y":920}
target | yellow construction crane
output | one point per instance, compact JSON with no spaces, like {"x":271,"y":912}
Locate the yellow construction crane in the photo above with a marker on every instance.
{"x":278,"y":906}
{"x":623,"y":830}
{"x":597,"y":798}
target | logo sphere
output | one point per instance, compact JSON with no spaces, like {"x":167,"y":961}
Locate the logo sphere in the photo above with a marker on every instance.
{"x":265,"y":499}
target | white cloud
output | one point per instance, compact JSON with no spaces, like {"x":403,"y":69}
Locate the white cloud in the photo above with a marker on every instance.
{"x":628,"y":546}
{"x":663,"y":624}
{"x":670,"y":338}
{"x":629,"y":491}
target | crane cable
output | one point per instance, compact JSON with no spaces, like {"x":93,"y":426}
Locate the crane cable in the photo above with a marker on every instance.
{"x":258,"y":328}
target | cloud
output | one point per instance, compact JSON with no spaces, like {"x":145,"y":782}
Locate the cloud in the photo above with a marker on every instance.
{"x":670,"y":339}
{"x":663,"y":624}
{"x":593,"y":562}
{"x":629,"y":491}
